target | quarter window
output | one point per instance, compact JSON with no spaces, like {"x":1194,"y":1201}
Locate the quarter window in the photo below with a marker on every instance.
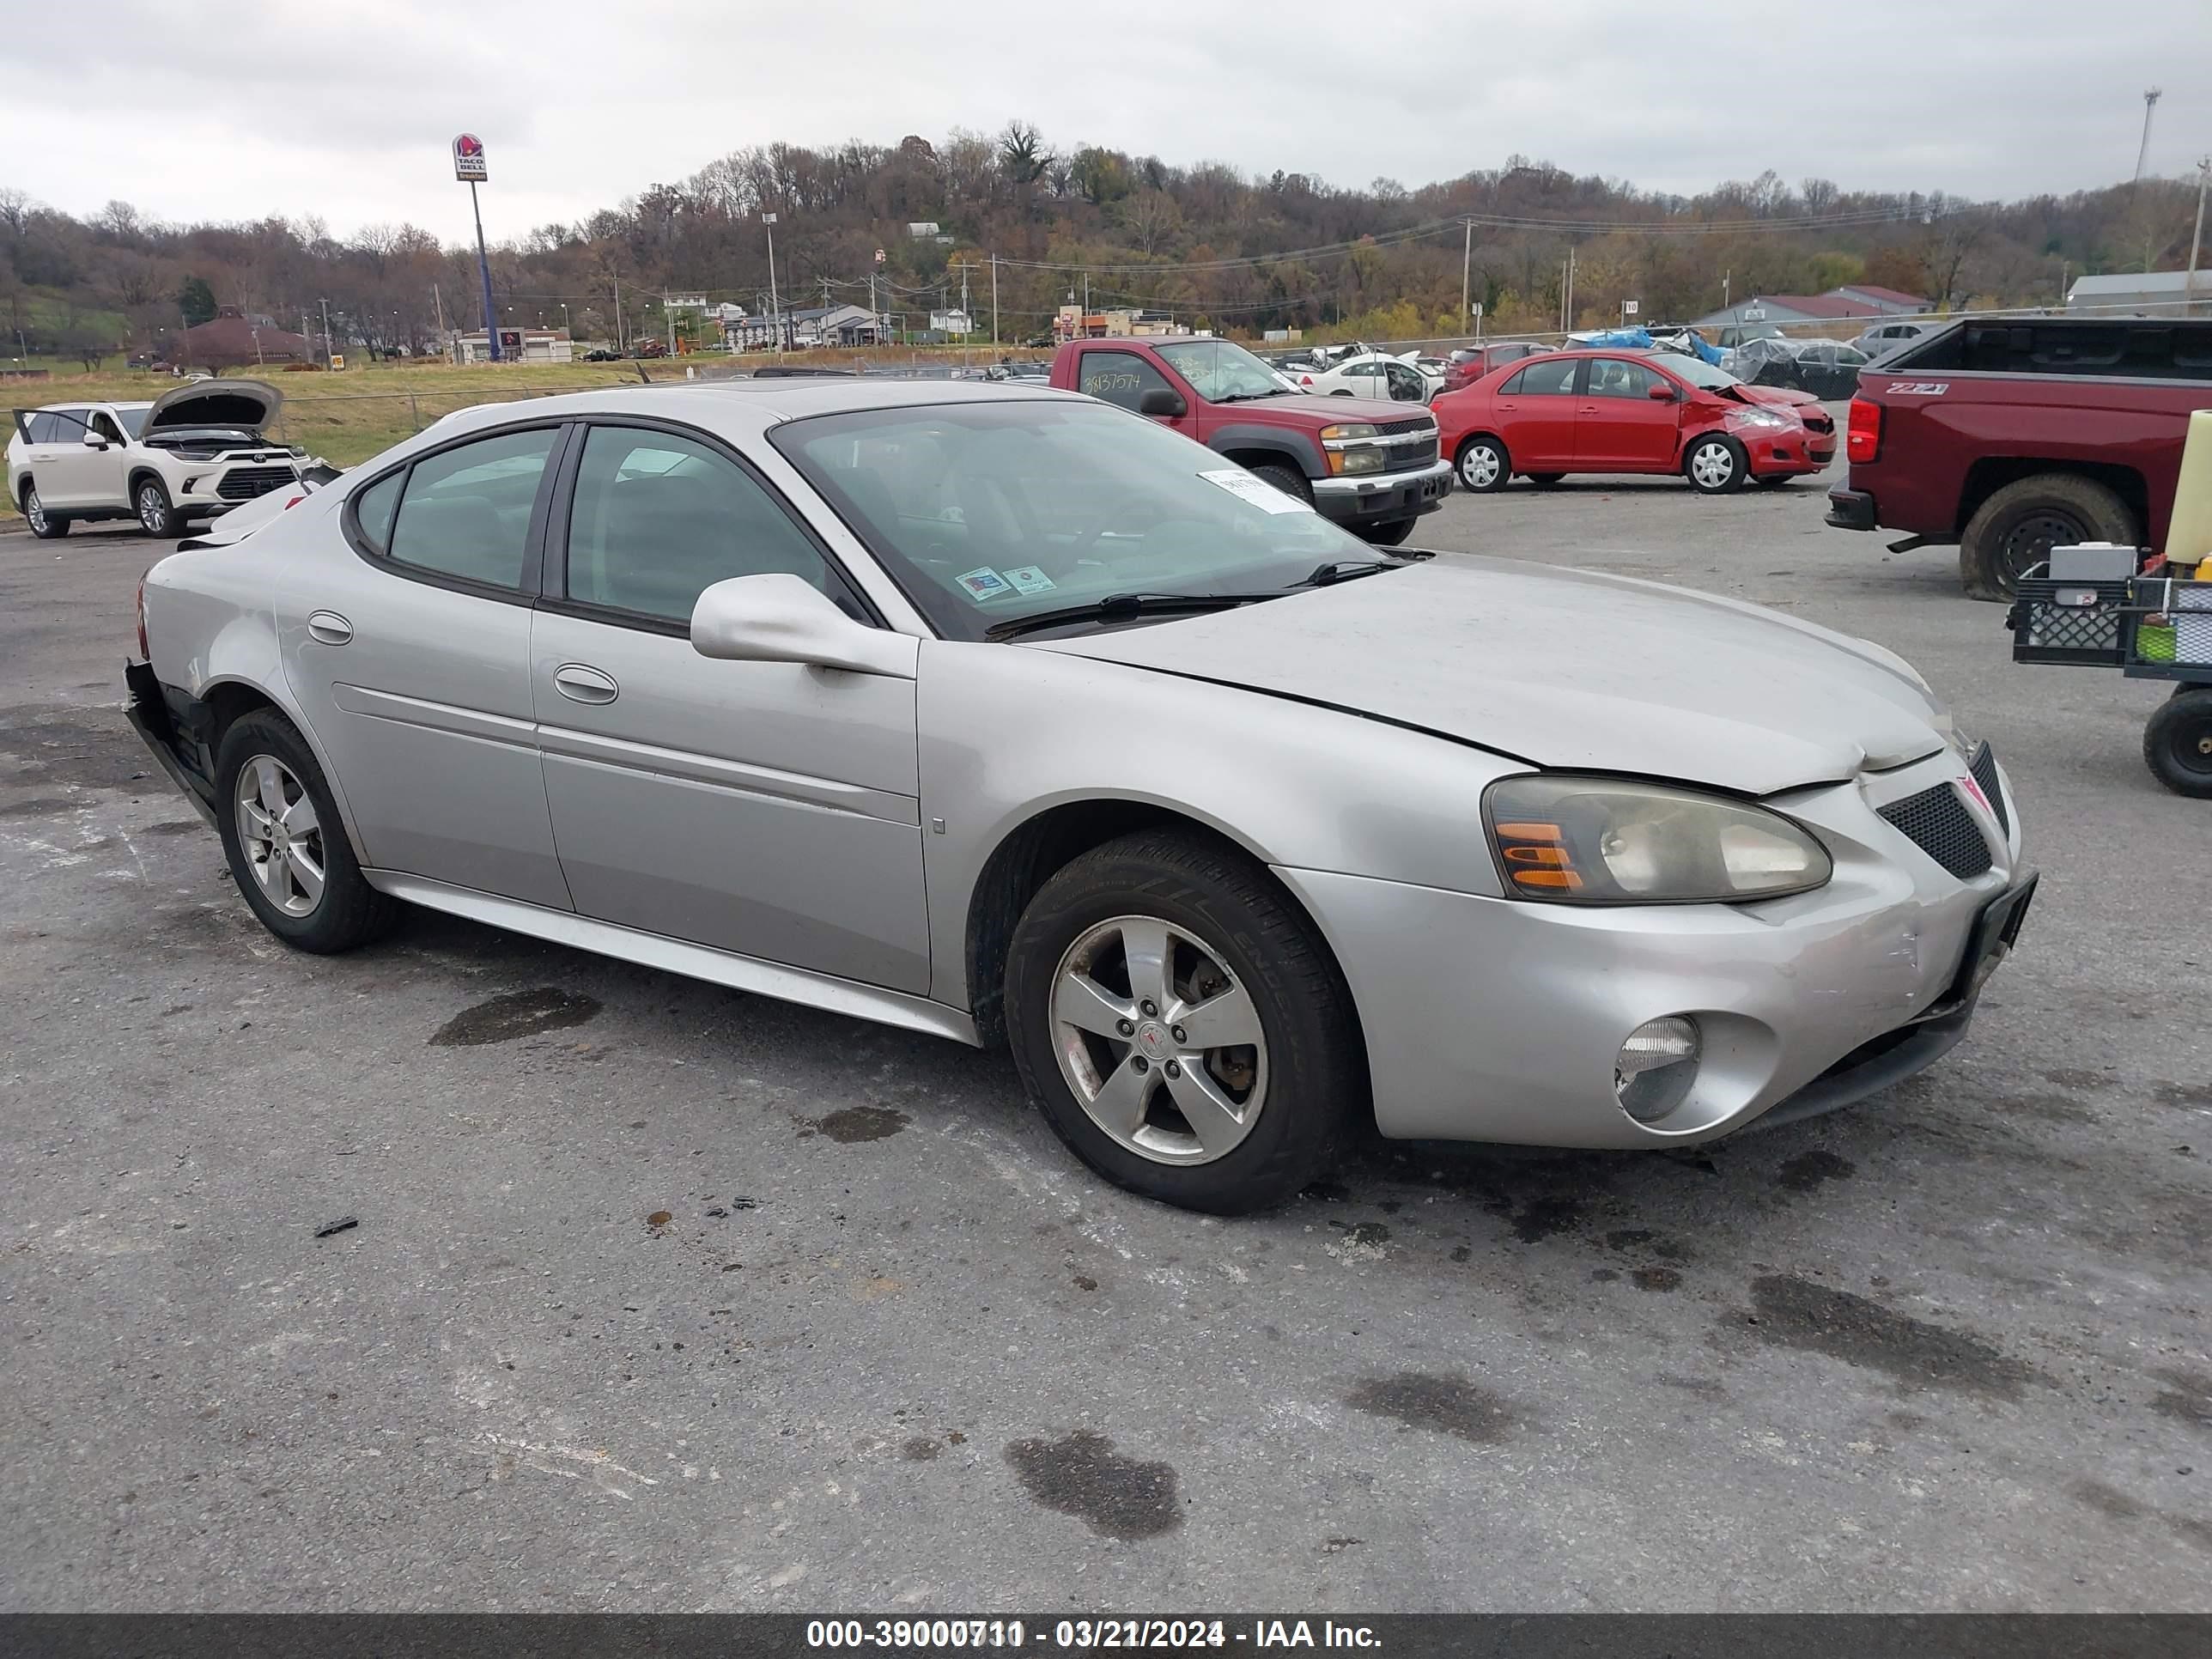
{"x":1119,"y":377}
{"x":659,"y":519}
{"x":465,"y":512}
{"x":373,"y":510}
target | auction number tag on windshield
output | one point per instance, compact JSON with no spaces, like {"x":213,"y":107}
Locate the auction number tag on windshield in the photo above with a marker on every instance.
{"x":984,"y":583}
{"x":1027,"y":579}
{"x":1258,"y":491}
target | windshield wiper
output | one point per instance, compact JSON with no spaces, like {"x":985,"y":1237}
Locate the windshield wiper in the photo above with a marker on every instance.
{"x":1115,"y":607}
{"x":1344,"y":570}
{"x":1255,"y":397}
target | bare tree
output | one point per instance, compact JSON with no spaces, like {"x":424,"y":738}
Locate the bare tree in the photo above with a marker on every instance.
{"x":14,"y":209}
{"x":1022,"y":153}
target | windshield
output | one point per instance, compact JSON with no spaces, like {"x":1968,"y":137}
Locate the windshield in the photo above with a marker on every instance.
{"x":133,"y":416}
{"x":987,"y":511}
{"x":1699,"y":373}
{"x":1221,"y":371}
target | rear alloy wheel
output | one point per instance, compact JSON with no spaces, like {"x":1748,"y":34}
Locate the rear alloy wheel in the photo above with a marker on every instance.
{"x":287,"y":847}
{"x":2014,"y":530}
{"x":1181,"y":1024}
{"x":46,"y":526}
{"x":1715,"y":464}
{"x":1386,"y":535}
{"x":2178,"y":743}
{"x":157,"y":517}
{"x":1483,"y":465}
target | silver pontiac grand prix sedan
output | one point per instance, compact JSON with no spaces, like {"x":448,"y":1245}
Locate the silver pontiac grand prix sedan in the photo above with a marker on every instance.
{"x":1007,"y":715}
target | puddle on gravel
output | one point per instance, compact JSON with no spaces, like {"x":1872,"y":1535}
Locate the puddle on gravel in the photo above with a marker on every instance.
{"x":517,"y":1014}
{"x":1798,"y":1313}
{"x":1081,"y":1475}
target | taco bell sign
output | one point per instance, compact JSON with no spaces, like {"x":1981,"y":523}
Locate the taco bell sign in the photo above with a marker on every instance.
{"x":468,"y":159}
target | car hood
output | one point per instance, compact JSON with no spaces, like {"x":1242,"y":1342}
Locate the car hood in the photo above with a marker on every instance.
{"x":1567,"y":670}
{"x":1338,"y":410}
{"x":246,"y":405}
{"x":1779,"y":396}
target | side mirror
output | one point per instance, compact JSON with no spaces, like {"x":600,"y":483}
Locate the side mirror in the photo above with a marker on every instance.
{"x":785,"y":618}
{"x":93,"y":440}
{"x":1660,"y":393}
{"x":1163,"y":400}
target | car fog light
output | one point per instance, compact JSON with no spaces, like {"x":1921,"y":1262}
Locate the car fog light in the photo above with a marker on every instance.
{"x":1655,"y":1067}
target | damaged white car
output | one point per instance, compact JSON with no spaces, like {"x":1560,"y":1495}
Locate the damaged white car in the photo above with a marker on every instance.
{"x":188,"y":455}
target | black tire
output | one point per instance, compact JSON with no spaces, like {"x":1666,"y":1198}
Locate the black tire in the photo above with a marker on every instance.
{"x":1472,"y":475}
{"x":1698,"y":455}
{"x":350,"y":911}
{"x":2016,"y":528}
{"x":1288,"y":479}
{"x":46,"y":526}
{"x":2178,"y":743}
{"x":1315,"y":1066}
{"x":156,"y":515}
{"x":1386,"y":535}
{"x":1546,"y":479}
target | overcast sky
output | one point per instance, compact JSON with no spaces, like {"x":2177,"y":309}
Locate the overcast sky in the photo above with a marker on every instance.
{"x":345,"y":108}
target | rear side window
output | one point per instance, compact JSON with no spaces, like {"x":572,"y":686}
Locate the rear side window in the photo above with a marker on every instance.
{"x":373,"y":510}
{"x":1545,"y":379}
{"x":42,"y":427}
{"x":465,"y":512}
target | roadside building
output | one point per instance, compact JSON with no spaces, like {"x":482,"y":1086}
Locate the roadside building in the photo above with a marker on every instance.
{"x":231,"y":340}
{"x":1848,"y":304}
{"x":806,"y":327}
{"x":517,"y":345}
{"x":2140,"y":293}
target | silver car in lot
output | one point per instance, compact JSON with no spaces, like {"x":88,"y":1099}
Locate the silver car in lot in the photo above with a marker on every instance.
{"x":1003,"y":715}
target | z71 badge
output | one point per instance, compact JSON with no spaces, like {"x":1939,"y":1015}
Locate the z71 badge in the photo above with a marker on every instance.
{"x":1918,"y":388}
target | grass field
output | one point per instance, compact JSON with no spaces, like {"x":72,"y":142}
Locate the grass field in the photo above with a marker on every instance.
{"x":347,"y":416}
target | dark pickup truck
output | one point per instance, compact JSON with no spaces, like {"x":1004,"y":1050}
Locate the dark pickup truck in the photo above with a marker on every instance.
{"x":1371,"y":466}
{"x":2010,"y":438}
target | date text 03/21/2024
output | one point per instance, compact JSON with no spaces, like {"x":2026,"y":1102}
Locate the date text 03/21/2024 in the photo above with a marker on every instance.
{"x":1085,"y":1633}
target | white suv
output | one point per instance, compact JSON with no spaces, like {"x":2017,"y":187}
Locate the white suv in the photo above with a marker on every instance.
{"x":190,"y":454}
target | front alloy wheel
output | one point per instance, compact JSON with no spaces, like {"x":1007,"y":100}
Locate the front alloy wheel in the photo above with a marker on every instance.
{"x":1482,"y":464}
{"x":281,"y":835}
{"x":157,"y":517}
{"x":1157,"y":1042}
{"x":1716,"y":466}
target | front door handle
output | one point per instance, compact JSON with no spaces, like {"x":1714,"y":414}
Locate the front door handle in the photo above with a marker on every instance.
{"x":329,"y":627}
{"x":579,"y":683}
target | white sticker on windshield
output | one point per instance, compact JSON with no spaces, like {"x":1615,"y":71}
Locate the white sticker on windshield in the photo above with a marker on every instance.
{"x":1027,"y":579}
{"x":1258,"y":491}
{"x":983,"y":583}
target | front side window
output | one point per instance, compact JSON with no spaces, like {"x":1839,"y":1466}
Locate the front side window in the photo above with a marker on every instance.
{"x":657,"y":518}
{"x":465,"y":512}
{"x":1119,"y":378}
{"x":987,"y":511}
{"x":1610,"y":377}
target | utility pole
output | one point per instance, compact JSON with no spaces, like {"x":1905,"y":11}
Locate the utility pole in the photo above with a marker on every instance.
{"x":994,"y":299}
{"x":437,"y":304}
{"x":775,"y":304}
{"x":620,"y":344}
{"x":2195,"y":236}
{"x":2151,"y":95}
{"x":1725,"y":276}
{"x":668,"y":313}
{"x":1467,"y":267}
{"x":326,"y":332}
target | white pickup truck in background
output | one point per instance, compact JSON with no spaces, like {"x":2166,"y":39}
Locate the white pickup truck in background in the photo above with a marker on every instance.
{"x":188,"y":455}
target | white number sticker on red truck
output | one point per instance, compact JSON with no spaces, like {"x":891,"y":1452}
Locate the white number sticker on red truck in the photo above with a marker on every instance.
{"x":1918,"y":388}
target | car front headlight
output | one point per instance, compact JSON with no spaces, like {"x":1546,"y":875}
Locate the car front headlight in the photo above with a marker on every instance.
{"x":1605,"y":841}
{"x":1352,"y":432}
{"x":1367,"y":459}
{"x":1757,"y":417}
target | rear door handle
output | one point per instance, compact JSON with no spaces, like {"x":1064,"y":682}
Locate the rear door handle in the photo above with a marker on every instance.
{"x":580,"y":684}
{"x":329,"y":627}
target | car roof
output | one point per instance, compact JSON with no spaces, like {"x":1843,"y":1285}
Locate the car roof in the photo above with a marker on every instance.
{"x":742,"y":408}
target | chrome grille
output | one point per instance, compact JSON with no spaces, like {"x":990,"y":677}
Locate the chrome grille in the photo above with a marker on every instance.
{"x":1937,"y":820}
{"x":243,"y":483}
{"x":1983,"y":766}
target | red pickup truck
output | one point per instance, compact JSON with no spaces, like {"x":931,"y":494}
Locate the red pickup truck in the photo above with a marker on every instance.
{"x":2012,"y":438}
{"x":1371,"y":466}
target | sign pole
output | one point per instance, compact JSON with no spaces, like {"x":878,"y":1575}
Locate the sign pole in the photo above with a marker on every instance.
{"x":483,"y":270}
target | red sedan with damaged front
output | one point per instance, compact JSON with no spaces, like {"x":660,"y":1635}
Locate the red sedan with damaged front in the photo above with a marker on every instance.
{"x":1629,"y":412}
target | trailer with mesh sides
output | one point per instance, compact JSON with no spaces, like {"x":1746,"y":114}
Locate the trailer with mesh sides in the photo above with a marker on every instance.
{"x":2150,"y":628}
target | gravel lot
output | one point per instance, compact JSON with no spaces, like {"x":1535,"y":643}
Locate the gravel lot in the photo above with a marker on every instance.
{"x":663,"y":1296}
